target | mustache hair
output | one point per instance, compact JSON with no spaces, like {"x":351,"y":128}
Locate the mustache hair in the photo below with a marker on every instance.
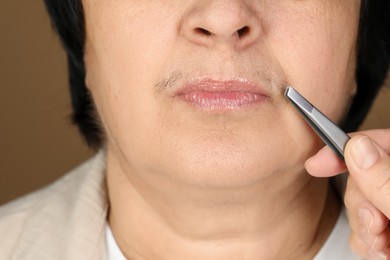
{"x":273,"y":81}
{"x":169,"y":82}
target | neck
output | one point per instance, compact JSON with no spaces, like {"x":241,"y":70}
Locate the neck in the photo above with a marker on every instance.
{"x":271,"y":219}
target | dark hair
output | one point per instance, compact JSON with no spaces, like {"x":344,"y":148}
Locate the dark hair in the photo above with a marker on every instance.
{"x":373,"y":59}
{"x":67,"y":18}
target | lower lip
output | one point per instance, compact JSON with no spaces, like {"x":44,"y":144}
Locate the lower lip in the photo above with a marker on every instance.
{"x":222,"y":101}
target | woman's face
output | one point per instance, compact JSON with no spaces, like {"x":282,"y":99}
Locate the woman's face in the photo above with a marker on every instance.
{"x":193,"y":89}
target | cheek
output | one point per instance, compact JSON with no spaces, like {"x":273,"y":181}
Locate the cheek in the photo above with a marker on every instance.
{"x":124,"y":57}
{"x":318,"y":54}
{"x":131,"y":40}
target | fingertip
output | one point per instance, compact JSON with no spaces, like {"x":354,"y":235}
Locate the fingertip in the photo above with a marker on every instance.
{"x":310,"y":166}
{"x":362,"y":152}
{"x":324,"y":163}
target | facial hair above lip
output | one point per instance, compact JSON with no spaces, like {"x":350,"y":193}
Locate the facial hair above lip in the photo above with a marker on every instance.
{"x":270,"y":85}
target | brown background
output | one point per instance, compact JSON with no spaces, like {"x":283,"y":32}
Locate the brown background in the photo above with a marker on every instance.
{"x":37,"y":142}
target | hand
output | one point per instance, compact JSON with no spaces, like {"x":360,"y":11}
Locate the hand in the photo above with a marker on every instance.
{"x":367,"y":196}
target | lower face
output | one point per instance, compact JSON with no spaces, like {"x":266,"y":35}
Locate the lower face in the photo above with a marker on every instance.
{"x":193,"y":90}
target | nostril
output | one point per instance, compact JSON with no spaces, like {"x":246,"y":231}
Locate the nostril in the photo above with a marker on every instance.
{"x":243,"y":31}
{"x":202,"y":31}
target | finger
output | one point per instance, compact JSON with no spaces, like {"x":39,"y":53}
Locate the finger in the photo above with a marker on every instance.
{"x":325,"y":164}
{"x":363,"y":250}
{"x":358,"y":246}
{"x":369,"y":166}
{"x":377,"y":242}
{"x":361,"y":212}
{"x":354,"y":202}
{"x":372,"y":219}
{"x":380,"y":136}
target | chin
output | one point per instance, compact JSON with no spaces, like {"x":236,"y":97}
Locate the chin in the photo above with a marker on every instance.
{"x":223,"y":177}
{"x":226,"y":166}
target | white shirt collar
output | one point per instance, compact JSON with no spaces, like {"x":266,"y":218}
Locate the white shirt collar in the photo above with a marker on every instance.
{"x":113,"y":250}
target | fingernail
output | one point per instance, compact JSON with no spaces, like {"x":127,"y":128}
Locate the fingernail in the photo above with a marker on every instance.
{"x":378,"y":255}
{"x":365,"y":153}
{"x":366,"y":219}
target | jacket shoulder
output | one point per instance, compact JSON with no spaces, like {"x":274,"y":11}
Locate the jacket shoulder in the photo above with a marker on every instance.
{"x":13,"y":217}
{"x":39,"y":218}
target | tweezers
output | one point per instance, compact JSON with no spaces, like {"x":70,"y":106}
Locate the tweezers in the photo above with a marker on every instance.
{"x":328,"y":131}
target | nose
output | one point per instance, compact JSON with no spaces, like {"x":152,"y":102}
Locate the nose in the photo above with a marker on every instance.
{"x":210,"y":23}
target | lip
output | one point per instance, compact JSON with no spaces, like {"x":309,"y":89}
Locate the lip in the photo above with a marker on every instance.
{"x":222,"y":95}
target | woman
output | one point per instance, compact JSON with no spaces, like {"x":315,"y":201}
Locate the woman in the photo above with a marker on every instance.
{"x":200,"y":154}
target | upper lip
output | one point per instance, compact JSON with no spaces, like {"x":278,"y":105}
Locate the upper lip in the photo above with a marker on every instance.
{"x":221,"y":86}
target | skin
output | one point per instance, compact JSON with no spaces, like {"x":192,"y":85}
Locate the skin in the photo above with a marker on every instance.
{"x":190,"y":184}
{"x":366,"y":195}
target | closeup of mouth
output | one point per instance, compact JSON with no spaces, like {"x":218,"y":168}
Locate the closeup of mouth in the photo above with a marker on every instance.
{"x":222,"y":95}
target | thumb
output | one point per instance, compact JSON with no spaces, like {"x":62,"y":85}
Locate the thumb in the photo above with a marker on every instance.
{"x":369,"y":167}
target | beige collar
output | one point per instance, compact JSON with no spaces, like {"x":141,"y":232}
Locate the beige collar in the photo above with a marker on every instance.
{"x":67,"y":219}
